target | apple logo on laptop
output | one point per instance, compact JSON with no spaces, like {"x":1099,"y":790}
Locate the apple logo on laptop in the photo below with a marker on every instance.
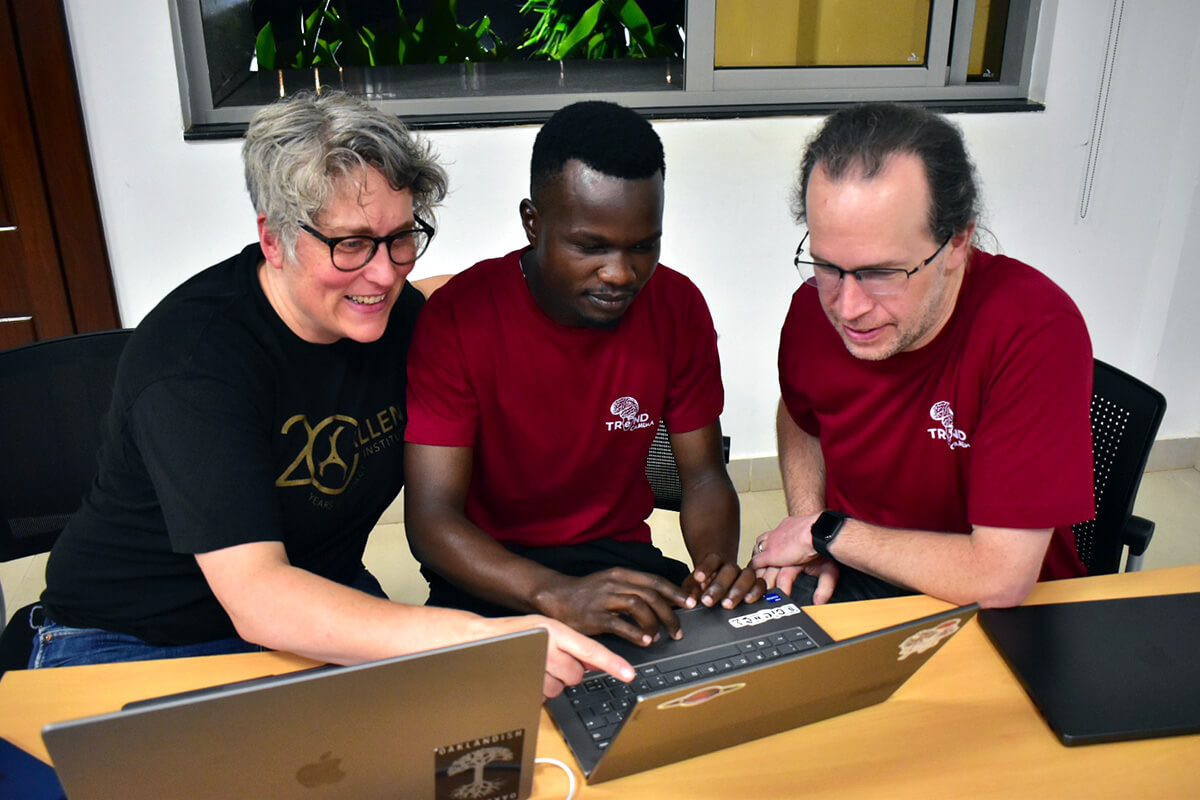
{"x":326,"y":769}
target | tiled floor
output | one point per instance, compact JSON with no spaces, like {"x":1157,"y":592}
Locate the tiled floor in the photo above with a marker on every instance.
{"x":1171,"y":498}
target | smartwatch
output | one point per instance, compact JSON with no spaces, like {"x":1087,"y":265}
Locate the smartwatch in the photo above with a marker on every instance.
{"x":825,"y":530}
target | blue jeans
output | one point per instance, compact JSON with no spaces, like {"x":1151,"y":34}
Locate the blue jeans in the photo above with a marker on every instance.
{"x":57,"y":645}
{"x":63,"y":646}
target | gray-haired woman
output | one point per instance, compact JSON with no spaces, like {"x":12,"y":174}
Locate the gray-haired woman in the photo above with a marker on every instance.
{"x":257,"y":427}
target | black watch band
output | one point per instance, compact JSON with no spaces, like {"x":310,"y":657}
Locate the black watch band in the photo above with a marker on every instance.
{"x":825,"y":529}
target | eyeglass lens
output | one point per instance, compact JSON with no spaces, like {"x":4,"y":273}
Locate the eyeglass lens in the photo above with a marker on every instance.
{"x":872,"y":281}
{"x":354,"y":252}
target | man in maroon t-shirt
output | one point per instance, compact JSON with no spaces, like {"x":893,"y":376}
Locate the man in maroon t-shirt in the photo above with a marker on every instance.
{"x":536,"y":383}
{"x":934,"y":430}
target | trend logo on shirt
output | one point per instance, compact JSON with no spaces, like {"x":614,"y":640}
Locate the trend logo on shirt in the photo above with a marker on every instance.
{"x":953,"y":436}
{"x":629,"y":414}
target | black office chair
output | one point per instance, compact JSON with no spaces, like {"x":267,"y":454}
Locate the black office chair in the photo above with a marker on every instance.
{"x":53,"y":395}
{"x":1125,"y":417}
{"x":663,"y":473}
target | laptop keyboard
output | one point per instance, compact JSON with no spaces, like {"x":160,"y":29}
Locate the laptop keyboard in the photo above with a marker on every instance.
{"x":602,"y":702}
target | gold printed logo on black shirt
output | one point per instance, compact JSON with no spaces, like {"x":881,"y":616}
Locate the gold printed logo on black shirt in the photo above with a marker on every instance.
{"x":329,"y":457}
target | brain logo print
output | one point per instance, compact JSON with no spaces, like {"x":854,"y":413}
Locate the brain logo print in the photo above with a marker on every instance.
{"x":943,"y":413}
{"x":626,"y":408}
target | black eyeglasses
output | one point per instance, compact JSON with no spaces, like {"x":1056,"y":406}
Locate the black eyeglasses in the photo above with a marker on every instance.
{"x":350,"y":253}
{"x":873,"y":280}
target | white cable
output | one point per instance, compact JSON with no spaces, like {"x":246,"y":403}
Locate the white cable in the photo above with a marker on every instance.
{"x":564,"y":768}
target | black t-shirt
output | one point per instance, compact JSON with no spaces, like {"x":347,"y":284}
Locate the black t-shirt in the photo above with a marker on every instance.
{"x":227,"y":428}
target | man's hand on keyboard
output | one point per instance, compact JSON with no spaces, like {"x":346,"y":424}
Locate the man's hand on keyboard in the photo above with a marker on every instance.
{"x":718,"y":581}
{"x":622,"y":602}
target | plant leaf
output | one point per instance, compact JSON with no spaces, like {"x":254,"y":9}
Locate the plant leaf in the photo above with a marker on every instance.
{"x":264,"y":48}
{"x":635,"y":20}
{"x":582,"y":31}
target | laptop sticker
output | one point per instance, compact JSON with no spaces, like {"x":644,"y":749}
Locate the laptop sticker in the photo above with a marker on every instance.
{"x":702,"y":695}
{"x":488,"y":767}
{"x":764,"y":615}
{"x":921,"y":641}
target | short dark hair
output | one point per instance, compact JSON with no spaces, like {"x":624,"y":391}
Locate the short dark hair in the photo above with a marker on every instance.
{"x":609,"y":138}
{"x":863,"y":137}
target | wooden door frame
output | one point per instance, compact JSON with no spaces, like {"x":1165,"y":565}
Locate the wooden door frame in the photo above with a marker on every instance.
{"x":48,"y":71}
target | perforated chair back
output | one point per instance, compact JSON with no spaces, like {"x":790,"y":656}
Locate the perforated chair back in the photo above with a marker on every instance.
{"x":663,"y":472}
{"x":1125,"y":417}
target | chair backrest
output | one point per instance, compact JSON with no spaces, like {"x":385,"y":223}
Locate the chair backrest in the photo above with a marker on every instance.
{"x":663,"y":473}
{"x":53,"y":396}
{"x":1125,"y":417}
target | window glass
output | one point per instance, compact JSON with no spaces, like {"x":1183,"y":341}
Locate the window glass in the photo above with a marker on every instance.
{"x":987,"y":40}
{"x":821,"y":33}
{"x":439,"y":48}
{"x":454,"y":62}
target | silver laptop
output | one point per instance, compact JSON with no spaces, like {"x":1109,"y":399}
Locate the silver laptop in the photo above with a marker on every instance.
{"x":737,"y":675}
{"x":451,"y":723}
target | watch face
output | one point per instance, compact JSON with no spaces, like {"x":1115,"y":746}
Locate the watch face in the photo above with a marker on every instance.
{"x":827,"y":525}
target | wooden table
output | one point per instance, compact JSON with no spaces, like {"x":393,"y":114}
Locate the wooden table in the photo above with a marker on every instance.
{"x":961,"y":727}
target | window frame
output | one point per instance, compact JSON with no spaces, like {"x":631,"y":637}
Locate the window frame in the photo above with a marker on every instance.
{"x":707,"y":91}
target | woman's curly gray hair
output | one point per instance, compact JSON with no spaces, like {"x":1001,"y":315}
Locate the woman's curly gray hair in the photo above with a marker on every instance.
{"x":299,"y":148}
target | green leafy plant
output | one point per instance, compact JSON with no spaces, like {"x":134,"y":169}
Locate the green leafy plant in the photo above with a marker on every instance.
{"x":440,"y":39}
{"x":606,"y":29}
{"x":316,"y":33}
{"x":329,"y":36}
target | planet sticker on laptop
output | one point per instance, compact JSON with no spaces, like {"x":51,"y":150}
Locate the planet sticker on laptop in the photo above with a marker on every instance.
{"x":702,"y":695}
{"x":921,"y":641}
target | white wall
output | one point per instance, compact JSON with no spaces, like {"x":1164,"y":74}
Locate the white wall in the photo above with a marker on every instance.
{"x":171,"y":208}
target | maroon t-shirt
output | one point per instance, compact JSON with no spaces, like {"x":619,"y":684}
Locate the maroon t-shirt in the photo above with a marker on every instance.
{"x":560,"y":419}
{"x":988,"y":424}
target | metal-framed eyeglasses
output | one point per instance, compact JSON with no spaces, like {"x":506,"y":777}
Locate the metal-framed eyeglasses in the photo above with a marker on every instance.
{"x":874,"y":281}
{"x":352,"y":253}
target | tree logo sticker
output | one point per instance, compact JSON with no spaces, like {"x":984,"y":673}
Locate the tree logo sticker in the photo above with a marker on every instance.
{"x":488,"y":767}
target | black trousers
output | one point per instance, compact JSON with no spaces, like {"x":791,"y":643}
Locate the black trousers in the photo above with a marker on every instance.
{"x":575,"y":560}
{"x":852,"y":585}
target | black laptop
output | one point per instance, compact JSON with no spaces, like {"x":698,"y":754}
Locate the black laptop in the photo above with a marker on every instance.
{"x":736,"y":675}
{"x":1106,"y":670}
